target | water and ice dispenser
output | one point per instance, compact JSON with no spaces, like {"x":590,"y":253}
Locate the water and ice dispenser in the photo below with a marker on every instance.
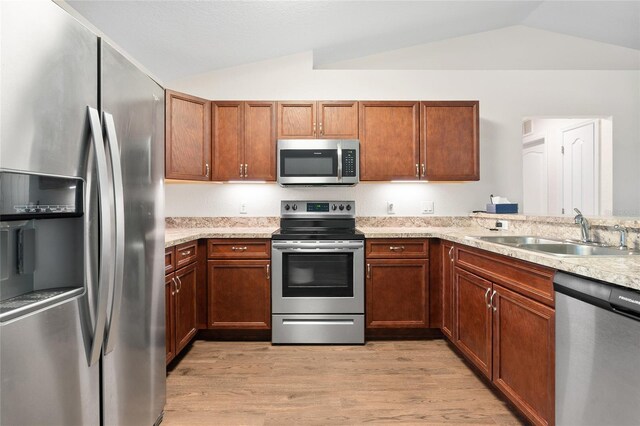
{"x":42,"y":233}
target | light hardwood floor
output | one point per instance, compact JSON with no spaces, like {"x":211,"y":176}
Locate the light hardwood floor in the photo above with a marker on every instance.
{"x":383,"y":382}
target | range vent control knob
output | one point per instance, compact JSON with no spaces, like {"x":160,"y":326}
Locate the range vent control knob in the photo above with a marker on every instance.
{"x":287,"y":207}
{"x":348,"y":207}
{"x":294,"y":207}
{"x":334,"y":207}
{"x":341,"y":207}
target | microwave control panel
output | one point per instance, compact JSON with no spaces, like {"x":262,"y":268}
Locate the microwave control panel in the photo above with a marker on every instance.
{"x":349,"y":162}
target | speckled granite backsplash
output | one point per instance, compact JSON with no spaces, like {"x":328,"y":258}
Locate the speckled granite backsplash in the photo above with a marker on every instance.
{"x":221,"y":222}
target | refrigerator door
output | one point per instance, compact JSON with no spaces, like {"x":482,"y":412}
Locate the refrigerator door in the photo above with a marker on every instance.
{"x":134,"y":355}
{"x":48,"y":69}
{"x":49,"y":76}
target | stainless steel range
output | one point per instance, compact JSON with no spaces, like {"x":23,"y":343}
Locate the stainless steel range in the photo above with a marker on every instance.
{"x":318,"y":274}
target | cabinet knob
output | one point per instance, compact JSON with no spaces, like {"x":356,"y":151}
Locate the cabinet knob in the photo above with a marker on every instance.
{"x":417,"y":170}
{"x":368,"y":270}
{"x":207,"y":169}
{"x":424,"y":171}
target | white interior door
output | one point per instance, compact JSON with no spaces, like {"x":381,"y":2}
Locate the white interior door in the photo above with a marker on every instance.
{"x":580,"y":166}
{"x":534,"y":178}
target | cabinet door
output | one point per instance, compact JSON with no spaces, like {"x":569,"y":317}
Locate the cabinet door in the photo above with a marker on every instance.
{"x":397,"y":293}
{"x":170,"y":337}
{"x":260,"y":140}
{"x":389,"y":141}
{"x":338,"y":119}
{"x":188,"y":137}
{"x":185,"y":305}
{"x":239,"y":294}
{"x":297,"y":120}
{"x":447,"y":289}
{"x":449,"y":143}
{"x":524,"y":354}
{"x":472,"y":333}
{"x":228,"y":140}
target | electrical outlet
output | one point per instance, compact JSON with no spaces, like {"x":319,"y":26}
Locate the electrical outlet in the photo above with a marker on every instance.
{"x":243,"y":208}
{"x":391,"y":207}
{"x":502,"y":224}
{"x":427,"y":207}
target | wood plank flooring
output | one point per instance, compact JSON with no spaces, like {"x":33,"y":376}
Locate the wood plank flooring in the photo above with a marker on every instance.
{"x":383,"y":382}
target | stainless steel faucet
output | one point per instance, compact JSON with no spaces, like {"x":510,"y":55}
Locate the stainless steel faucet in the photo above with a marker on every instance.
{"x":584,"y":225}
{"x":623,"y":237}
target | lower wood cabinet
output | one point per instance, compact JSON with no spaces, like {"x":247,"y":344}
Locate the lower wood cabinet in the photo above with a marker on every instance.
{"x":239,"y":284}
{"x":397,"y":284}
{"x":180,"y":307}
{"x":503,"y":331}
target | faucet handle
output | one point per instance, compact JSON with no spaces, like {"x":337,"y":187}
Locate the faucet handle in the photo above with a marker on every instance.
{"x":577,"y":211}
{"x":623,"y":236}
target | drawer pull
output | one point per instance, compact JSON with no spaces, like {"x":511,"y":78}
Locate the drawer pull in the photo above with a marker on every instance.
{"x":491,"y":305}
{"x":238,"y":248}
{"x":268,"y":275}
{"x":180,"y":284}
{"x":186,"y":253}
{"x":396,"y":248}
{"x":486,"y":298}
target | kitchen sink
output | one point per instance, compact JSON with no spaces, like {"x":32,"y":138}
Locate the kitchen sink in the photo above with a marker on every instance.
{"x":574,"y":249}
{"x":557,"y":247}
{"x":516,"y":240}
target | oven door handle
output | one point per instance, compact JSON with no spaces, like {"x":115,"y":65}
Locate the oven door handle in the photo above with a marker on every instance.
{"x":315,"y":246}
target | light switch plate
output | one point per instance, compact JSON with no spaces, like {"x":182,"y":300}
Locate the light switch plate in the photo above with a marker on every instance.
{"x":427,"y":207}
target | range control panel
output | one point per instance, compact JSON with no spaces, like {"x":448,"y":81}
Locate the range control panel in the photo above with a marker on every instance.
{"x":349,"y":162}
{"x":295,"y":208}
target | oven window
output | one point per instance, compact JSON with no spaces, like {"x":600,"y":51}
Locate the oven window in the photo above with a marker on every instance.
{"x":317,"y":274}
{"x":308,"y":162}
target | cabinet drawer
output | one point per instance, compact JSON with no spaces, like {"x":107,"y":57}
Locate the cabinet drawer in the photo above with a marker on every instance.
{"x":400,"y":248}
{"x":186,"y":253}
{"x":169,"y":260}
{"x":526,"y":278}
{"x":239,"y":249}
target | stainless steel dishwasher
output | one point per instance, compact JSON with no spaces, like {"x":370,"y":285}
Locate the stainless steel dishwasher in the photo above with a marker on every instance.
{"x":597,"y":352}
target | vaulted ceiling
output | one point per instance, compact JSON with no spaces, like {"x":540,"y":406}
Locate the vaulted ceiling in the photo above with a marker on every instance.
{"x":176,"y":39}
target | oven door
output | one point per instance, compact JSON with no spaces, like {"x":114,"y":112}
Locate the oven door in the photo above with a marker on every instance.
{"x":319,"y":277}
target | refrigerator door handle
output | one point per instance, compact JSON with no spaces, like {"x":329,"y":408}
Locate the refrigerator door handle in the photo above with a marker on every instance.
{"x":118,"y":192}
{"x":104,"y":275}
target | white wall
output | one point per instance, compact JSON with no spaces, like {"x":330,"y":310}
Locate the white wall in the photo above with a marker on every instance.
{"x":505,"y":98}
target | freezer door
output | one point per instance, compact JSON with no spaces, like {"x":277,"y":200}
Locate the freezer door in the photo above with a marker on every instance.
{"x":45,"y":376}
{"x":134,"y":357}
{"x":49,"y":75}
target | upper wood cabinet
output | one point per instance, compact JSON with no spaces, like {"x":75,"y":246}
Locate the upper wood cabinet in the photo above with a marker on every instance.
{"x":449,"y":142}
{"x":321,"y":119}
{"x":187,"y":137}
{"x":244,"y":140}
{"x":389,"y":140}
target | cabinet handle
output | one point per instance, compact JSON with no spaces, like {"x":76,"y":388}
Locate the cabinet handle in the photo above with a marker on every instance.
{"x":486,"y":300}
{"x":246,"y":172}
{"x":451,"y":253}
{"x":396,"y":248}
{"x":321,"y":131}
{"x":238,"y":248}
{"x":314,"y":128}
{"x":175,"y":286}
{"x":268,"y":276}
{"x":179,"y":282}
{"x":240,"y":169}
{"x":417,"y":170}
{"x":207,"y":168}
{"x":424,"y":171}
{"x":368,"y":270}
{"x":186,"y":253}
{"x":495,"y":308}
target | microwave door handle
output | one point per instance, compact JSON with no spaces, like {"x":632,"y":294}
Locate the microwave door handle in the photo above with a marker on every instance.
{"x":339,"y":145}
{"x":114,"y":320}
{"x":105,"y":276}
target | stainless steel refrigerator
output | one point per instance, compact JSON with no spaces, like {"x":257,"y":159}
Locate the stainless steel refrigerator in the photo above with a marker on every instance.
{"x":81,"y":226}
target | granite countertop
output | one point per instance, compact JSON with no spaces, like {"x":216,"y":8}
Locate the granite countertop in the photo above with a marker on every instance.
{"x":623,"y":270}
{"x":175,"y":236}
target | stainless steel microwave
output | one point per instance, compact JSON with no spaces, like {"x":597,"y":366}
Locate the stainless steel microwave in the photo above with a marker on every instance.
{"x":319,"y":162}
